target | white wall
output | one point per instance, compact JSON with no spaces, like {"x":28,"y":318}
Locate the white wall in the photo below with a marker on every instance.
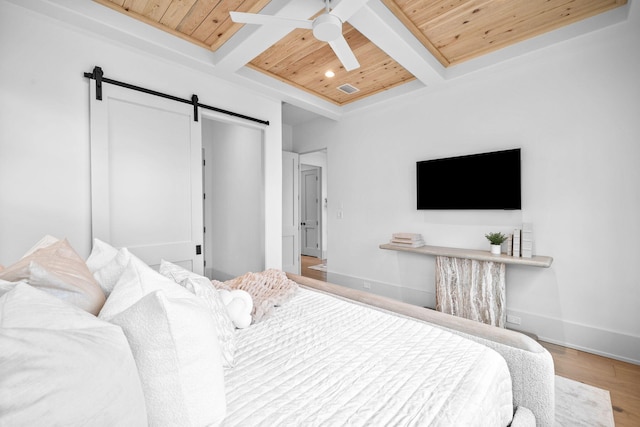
{"x":44,"y":127}
{"x":574,"y":109}
{"x":287,"y":137}
{"x":234,"y":203}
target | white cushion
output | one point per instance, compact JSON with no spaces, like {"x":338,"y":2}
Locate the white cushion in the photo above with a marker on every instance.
{"x":60,"y":365}
{"x":239,"y":306}
{"x":101,"y":254}
{"x":108,"y":272}
{"x":174,"y":343}
{"x":136,"y":281}
{"x":8,"y":286}
{"x":202,"y":287}
{"x":57,"y":269}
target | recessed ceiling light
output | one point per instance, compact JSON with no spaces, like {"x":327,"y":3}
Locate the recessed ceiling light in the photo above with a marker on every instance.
{"x":329,"y":74}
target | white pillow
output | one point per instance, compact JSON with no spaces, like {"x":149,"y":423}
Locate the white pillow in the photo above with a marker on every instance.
{"x":60,"y":365}
{"x":225,"y":330}
{"x":101,"y":254}
{"x":177,"y":273}
{"x":108,"y":274}
{"x":202,"y":287}
{"x":8,"y":286}
{"x":136,"y":281}
{"x":173,"y":340}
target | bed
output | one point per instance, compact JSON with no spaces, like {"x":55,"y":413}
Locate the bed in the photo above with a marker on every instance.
{"x":323,"y":361}
{"x":326,"y":356}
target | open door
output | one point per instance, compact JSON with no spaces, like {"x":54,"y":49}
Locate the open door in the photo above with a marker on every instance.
{"x":290,"y":213}
{"x":310,"y":212}
{"x":146,"y":176}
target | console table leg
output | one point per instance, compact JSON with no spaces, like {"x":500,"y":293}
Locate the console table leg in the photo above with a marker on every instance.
{"x":471,"y":289}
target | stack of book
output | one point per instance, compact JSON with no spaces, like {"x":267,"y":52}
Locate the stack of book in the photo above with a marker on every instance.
{"x":520,"y":243}
{"x":516,"y":241}
{"x":409,"y":240}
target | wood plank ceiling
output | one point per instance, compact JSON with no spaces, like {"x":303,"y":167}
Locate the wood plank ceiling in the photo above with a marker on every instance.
{"x":453,"y":31}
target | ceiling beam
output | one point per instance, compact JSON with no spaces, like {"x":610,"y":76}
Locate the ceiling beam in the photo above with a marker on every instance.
{"x":377,"y":23}
{"x":251,"y":40}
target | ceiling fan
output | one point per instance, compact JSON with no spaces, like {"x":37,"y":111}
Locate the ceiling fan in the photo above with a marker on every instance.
{"x":326,"y":27}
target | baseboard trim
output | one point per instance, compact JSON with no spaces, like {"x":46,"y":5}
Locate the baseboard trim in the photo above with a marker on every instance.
{"x":408,"y":295}
{"x":578,"y":336}
{"x":603,"y":342}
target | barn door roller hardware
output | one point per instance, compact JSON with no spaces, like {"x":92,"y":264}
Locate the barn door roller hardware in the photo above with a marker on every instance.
{"x":98,"y":75}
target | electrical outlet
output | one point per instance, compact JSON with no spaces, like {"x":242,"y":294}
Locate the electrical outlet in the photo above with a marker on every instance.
{"x":515,"y":320}
{"x":340,"y":215}
{"x":366,"y":285}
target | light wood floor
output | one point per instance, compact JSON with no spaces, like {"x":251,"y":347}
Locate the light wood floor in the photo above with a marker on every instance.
{"x":308,"y":261}
{"x":620,"y":378}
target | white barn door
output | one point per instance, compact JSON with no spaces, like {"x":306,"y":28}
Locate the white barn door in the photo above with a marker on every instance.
{"x":146,"y":176}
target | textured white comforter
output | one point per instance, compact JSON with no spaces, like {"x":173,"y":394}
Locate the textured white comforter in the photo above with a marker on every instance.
{"x":322,"y":361}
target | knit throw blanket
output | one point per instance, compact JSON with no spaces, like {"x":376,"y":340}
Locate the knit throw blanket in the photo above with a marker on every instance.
{"x":268,"y":289}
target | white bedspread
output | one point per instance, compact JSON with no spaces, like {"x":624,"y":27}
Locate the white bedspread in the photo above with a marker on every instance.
{"x":322,"y":361}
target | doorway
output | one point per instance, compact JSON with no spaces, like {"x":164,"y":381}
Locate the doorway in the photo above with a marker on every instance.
{"x":234,"y":214}
{"x":313,"y":213}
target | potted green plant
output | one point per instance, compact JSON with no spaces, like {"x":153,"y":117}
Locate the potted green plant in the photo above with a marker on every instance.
{"x":496,"y":240}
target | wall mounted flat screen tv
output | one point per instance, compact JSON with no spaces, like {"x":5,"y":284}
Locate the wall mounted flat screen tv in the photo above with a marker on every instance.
{"x":477,"y":181}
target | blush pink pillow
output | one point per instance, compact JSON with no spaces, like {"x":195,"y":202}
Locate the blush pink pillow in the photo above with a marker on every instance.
{"x":58,"y":270}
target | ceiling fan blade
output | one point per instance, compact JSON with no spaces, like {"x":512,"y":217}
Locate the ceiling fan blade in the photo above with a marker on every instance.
{"x":344,"y":53}
{"x":347,"y":8}
{"x":254,"y":18}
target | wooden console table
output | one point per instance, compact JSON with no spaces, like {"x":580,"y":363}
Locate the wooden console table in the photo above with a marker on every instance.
{"x":471,"y":283}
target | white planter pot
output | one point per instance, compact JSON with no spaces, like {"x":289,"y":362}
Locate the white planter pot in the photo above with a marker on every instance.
{"x":495,"y":249}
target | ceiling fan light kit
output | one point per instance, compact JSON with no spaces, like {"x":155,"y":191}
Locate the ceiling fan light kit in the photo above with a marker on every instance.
{"x":327,"y":27}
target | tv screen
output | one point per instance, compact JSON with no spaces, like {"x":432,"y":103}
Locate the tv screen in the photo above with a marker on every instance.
{"x":477,"y":181}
